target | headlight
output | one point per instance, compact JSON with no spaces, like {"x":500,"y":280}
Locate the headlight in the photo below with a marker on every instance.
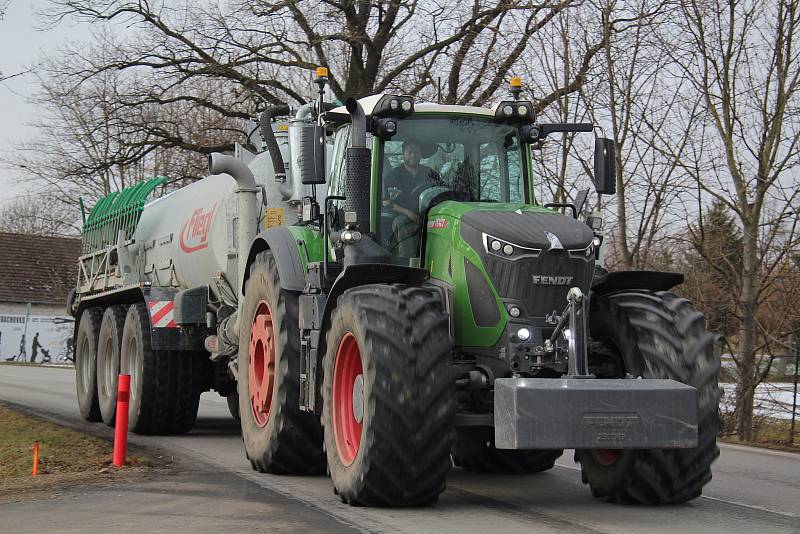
{"x":508,"y":250}
{"x":523,"y":334}
{"x":508,"y":111}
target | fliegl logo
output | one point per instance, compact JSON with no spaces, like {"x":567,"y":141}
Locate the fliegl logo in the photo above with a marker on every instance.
{"x":194,"y":232}
{"x":438,"y":224}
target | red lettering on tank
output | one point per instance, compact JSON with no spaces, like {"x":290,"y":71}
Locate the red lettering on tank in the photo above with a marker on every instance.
{"x":194,"y":232}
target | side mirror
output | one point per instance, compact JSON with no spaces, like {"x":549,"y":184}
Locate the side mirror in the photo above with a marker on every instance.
{"x":311,"y":155}
{"x":605,"y":174}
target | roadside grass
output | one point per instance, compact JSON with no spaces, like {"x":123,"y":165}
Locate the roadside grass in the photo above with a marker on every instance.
{"x":61,"y":450}
{"x":768,"y":432}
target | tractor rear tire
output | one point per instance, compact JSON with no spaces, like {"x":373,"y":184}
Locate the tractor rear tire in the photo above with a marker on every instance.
{"x":389,"y":396}
{"x":656,"y":335}
{"x":165,"y":385}
{"x":86,"y":363}
{"x":108,"y":356}
{"x":278,"y":436}
{"x":474,"y":451}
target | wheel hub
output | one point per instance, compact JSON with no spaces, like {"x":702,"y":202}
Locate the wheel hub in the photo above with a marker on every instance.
{"x":261,"y":363}
{"x":606,"y":457}
{"x":347,"y":406}
{"x":358,"y":398}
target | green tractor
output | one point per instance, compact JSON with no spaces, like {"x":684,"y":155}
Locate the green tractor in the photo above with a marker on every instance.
{"x":429,"y":312}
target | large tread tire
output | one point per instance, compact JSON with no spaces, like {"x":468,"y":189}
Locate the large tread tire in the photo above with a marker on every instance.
{"x":165,"y":385}
{"x":86,"y":363}
{"x":290,"y":442}
{"x":475,"y":451}
{"x":408,"y":415}
{"x":108,"y":357}
{"x":657,"y":335}
{"x":233,"y":405}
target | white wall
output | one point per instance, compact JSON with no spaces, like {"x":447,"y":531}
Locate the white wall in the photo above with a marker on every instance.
{"x":54,"y":326}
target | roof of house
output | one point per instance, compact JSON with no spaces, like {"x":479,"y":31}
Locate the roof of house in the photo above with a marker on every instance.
{"x":37,"y":269}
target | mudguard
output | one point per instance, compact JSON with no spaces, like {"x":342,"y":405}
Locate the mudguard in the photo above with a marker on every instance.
{"x":621,"y":280}
{"x":287,"y":257}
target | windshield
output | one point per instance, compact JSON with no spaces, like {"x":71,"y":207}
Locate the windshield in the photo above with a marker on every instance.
{"x":475,"y":159}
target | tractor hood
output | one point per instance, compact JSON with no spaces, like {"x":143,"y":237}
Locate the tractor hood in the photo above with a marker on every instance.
{"x":520,"y":224}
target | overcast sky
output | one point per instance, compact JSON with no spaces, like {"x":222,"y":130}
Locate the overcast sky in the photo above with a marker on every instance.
{"x":21,"y":45}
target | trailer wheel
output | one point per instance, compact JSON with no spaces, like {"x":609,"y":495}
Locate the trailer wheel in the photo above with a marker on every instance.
{"x":165,"y":385}
{"x":657,"y":335}
{"x":86,"y":363}
{"x":233,"y":405}
{"x":108,"y":357}
{"x":278,"y":437}
{"x":474,"y":450}
{"x":389,"y":396}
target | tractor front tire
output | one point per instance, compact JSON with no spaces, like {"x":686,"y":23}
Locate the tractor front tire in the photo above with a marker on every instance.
{"x":86,"y":363}
{"x":278,"y":436}
{"x":475,"y":451}
{"x":389,"y":396}
{"x":165,"y":385}
{"x":108,"y":357}
{"x":656,"y":335}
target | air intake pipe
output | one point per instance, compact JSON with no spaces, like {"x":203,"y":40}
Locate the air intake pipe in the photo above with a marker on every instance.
{"x":358,"y":161}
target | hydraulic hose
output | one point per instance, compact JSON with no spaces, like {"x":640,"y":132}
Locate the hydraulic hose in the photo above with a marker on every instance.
{"x":269,"y":138}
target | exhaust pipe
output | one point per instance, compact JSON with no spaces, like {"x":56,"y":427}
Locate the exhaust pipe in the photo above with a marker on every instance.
{"x":358,"y":160}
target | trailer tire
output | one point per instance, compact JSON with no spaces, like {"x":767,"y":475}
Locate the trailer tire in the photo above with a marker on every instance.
{"x":86,"y":363}
{"x":657,"y":335}
{"x":391,"y":345}
{"x":474,"y":451}
{"x":233,"y":405}
{"x":165,"y":385}
{"x":280,"y":438}
{"x":108,"y":358}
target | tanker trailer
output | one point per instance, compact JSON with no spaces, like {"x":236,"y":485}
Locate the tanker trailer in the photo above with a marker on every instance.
{"x":157,"y":276}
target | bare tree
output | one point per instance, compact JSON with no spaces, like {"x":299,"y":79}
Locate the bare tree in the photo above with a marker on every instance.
{"x":181,"y":78}
{"x":38,"y":215}
{"x":740,"y":60}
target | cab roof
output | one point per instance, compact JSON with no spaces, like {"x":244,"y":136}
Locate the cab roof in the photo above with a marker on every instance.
{"x":369,"y":103}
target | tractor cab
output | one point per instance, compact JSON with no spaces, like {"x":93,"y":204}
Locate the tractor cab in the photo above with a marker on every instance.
{"x":424,"y":154}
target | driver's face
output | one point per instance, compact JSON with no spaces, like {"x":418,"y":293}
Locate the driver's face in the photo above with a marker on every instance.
{"x":412,"y":155}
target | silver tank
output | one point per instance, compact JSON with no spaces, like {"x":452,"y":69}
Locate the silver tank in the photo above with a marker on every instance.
{"x":186,"y":238}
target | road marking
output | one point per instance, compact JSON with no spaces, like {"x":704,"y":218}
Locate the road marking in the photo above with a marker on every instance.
{"x":716,"y":499}
{"x":751,"y":506}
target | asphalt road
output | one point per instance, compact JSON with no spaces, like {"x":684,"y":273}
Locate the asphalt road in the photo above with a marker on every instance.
{"x":753,"y":490}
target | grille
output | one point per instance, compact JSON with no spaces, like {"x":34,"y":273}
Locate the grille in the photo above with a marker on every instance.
{"x":514,"y":279}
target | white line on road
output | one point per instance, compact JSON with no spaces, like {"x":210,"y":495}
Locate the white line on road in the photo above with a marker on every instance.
{"x":751,"y":506}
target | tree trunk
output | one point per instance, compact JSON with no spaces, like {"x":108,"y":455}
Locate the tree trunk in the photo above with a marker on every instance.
{"x":746,"y":364}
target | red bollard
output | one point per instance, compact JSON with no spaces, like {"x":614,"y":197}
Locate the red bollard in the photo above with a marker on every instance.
{"x":35,"y":470}
{"x":121,"y":430}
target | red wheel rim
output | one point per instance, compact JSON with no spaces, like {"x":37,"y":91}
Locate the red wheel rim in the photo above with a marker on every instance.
{"x":261,"y":363}
{"x":348,"y":398}
{"x":606,"y":457}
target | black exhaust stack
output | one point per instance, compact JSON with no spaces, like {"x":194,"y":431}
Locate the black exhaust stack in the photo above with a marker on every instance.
{"x":359,"y":248}
{"x":358,"y":160}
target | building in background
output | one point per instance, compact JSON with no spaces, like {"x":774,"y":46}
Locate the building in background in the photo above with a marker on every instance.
{"x":36,"y":273}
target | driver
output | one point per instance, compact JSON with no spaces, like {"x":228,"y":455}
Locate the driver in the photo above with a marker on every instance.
{"x":407,"y":178}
